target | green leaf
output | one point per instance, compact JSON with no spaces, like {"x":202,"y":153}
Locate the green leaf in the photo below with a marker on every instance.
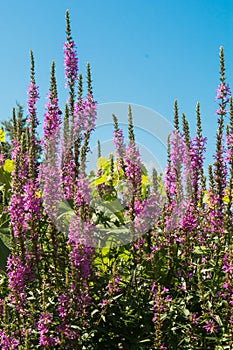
{"x":4,"y":220}
{"x":206,"y":197}
{"x":65,"y":212}
{"x":113,"y":206}
{"x":117,"y":296}
{"x":218,"y":319}
{"x":5,"y":180}
{"x":94,"y":312}
{"x":102,"y":179}
{"x":145,"y":341}
{"x":4,"y":230}
{"x":144,"y":170}
{"x":103,"y":318}
{"x":4,"y":252}
{"x":199,"y":250}
{"x":73,"y":326}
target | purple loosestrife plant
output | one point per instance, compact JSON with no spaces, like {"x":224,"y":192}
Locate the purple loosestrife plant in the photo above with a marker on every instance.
{"x":161,"y":300}
{"x":119,"y":143}
{"x":227,"y":290}
{"x":132,"y":167}
{"x":33,"y":96}
{"x":71,"y":138}
{"x":50,"y":173}
{"x":81,"y":231}
{"x":47,"y":340}
{"x":229,"y":136}
{"x":31,"y":197}
{"x":89,"y":115}
{"x":82,"y":124}
{"x":8,"y":342}
{"x":19,"y":266}
{"x":197,"y":150}
{"x":80,"y":242}
{"x":222,"y":96}
{"x":68,"y":176}
{"x":177,"y":174}
{"x":80,"y":239}
{"x":70,"y":62}
{"x":19,"y":176}
{"x":70,"y":56}
{"x":67,"y":159}
{"x":229,"y":159}
{"x":84,"y":117}
{"x":19,"y":273}
{"x":71,"y":71}
{"x":148,"y":212}
{"x":52,"y":123}
{"x":220,"y":168}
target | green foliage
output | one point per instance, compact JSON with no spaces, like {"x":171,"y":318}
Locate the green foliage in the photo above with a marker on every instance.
{"x":5,"y":184}
{"x":4,"y":252}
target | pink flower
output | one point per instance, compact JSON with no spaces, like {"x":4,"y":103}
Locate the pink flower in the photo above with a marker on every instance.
{"x":223,"y":92}
{"x":194,"y":319}
{"x":225,"y":285}
{"x":210,"y":327}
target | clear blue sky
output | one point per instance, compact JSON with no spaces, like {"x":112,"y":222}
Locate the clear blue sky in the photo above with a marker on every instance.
{"x":147,"y":52}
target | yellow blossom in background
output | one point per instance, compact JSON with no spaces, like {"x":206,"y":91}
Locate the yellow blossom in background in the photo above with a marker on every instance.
{"x":2,"y":136}
{"x":8,"y":165}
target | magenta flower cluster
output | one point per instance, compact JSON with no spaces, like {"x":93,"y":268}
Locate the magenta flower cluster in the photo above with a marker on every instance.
{"x":44,"y":324}
{"x":8,"y":342}
{"x":70,"y":61}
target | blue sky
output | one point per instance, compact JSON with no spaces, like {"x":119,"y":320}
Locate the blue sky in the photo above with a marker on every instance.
{"x":145,"y":52}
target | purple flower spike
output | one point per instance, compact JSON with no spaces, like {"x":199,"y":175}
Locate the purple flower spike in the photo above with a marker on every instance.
{"x":44,"y":325}
{"x":52,"y":118}
{"x":223,"y":94}
{"x":33,"y":96}
{"x":70,"y":62}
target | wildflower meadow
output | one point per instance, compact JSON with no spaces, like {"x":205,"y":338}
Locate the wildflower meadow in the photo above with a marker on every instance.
{"x":116,"y":257}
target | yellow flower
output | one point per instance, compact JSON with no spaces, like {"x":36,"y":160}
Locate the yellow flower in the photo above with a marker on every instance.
{"x":2,"y":136}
